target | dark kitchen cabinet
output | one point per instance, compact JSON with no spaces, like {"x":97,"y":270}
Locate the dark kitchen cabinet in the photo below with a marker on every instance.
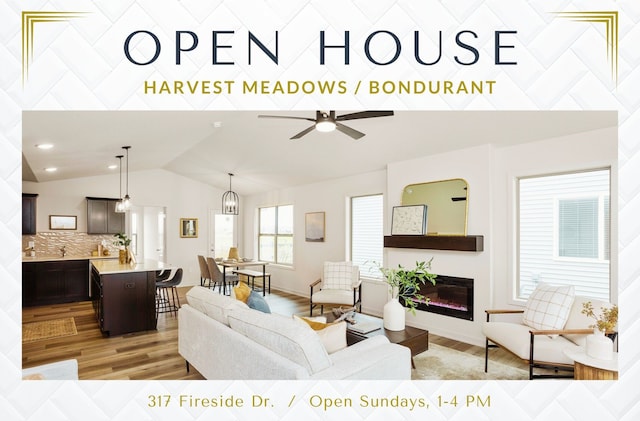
{"x":54,"y":282}
{"x":102,"y":217}
{"x":29,"y":213}
{"x":124,"y":302}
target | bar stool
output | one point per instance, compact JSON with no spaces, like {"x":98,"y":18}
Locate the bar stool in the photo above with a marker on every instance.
{"x":168,"y":301}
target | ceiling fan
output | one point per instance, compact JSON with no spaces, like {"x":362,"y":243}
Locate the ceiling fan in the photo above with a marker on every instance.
{"x":328,"y":121}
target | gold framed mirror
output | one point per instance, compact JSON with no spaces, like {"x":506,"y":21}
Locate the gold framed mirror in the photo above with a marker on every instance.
{"x":447,"y":204}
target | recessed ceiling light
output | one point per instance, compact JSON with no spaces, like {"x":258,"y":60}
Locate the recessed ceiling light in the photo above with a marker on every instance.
{"x":44,"y":146}
{"x":112,"y":167}
{"x":217,"y":124}
{"x":51,"y":169}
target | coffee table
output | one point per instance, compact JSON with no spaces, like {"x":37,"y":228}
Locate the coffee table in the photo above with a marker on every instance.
{"x":417,"y":340}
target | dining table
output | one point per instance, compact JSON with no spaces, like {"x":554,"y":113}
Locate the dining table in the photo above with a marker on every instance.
{"x":241,"y":264}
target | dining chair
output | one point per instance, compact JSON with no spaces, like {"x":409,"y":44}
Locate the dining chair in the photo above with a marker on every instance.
{"x":217,"y":278}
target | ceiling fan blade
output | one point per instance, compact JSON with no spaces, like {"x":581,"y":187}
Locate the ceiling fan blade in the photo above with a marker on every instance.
{"x":287,"y":116}
{"x":364,"y":114}
{"x":304,"y":132}
{"x":349,"y":131}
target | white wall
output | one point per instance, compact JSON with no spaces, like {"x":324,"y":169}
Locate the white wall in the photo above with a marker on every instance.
{"x":182,"y":197}
{"x":473,"y":165}
{"x":330,"y":197}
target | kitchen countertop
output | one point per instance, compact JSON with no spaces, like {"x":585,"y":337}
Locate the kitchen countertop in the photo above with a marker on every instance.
{"x":44,"y":258}
{"x":105,"y":267}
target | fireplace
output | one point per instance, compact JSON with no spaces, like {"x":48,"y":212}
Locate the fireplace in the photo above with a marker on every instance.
{"x":450,"y":296}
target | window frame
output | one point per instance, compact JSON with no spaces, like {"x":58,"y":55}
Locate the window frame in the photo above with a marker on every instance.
{"x":515,"y":287}
{"x":366,"y":274}
{"x":276,"y":235}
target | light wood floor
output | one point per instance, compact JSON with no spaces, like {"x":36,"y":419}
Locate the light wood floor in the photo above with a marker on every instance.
{"x":153,"y":355}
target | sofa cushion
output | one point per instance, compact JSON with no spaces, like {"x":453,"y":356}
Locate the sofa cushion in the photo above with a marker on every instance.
{"x":332,"y":335}
{"x":337,"y":275}
{"x":213,"y":304}
{"x":516,"y":338}
{"x":577,"y":320}
{"x":284,"y":336}
{"x":548,"y":307}
{"x":257,"y":302}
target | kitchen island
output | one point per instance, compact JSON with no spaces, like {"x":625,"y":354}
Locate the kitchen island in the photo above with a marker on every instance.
{"x":124,"y":295}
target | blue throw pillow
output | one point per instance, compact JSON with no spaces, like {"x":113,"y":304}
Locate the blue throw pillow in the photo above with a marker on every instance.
{"x":257,"y":302}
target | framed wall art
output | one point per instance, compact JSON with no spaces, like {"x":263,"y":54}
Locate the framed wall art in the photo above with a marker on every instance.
{"x":314,"y":227}
{"x":188,"y":227}
{"x":409,"y":220}
{"x":63,"y":222}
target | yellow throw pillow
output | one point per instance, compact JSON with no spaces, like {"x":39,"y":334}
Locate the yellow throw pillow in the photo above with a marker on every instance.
{"x":242,"y":292}
{"x":332,"y":335}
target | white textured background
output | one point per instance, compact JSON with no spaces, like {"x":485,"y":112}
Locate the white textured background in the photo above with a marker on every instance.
{"x":80,"y":65}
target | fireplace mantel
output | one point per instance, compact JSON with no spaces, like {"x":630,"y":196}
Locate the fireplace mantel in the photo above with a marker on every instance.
{"x":436,"y":242}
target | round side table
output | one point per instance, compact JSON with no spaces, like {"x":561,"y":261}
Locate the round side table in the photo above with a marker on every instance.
{"x":588,"y":368}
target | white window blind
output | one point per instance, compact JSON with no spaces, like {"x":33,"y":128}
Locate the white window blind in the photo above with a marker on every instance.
{"x":367,"y":234}
{"x":578,"y":228}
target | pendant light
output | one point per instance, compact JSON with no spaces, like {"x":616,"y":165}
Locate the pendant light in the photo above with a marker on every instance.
{"x":127,"y":199}
{"x":230,"y":201}
{"x":120,"y":203}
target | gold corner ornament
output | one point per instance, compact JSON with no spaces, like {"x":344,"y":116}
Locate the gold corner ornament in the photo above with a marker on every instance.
{"x":29,"y":19}
{"x":610,"y":19}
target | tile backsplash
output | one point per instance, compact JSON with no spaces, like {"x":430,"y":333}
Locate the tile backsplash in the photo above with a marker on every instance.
{"x":78,"y":244}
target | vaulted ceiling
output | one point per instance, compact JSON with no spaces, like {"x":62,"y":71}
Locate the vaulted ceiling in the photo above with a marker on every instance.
{"x":206,"y":145}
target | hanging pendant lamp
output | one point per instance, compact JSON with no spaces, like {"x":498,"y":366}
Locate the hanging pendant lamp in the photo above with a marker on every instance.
{"x":120,"y":204}
{"x":127,"y":199}
{"x":230,"y":201}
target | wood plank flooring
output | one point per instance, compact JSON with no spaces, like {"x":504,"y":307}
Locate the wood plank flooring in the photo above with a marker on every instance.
{"x":153,"y":355}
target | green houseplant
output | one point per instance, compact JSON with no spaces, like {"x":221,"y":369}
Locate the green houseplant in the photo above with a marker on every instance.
{"x":404,"y":286}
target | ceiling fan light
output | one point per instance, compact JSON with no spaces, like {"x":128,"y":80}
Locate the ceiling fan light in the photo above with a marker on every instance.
{"x":325,"y":126}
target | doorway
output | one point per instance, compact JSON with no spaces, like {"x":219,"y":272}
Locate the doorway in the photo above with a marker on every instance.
{"x":148,"y":232}
{"x":222,"y":233}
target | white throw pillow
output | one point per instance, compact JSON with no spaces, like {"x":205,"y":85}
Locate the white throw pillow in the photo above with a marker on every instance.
{"x":332,"y":335}
{"x":337,"y":275}
{"x":548,"y":307}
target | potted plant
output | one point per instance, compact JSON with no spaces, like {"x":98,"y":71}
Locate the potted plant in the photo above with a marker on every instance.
{"x":606,"y":322}
{"x":123,"y":242}
{"x":404,"y":284}
{"x":600,"y":344}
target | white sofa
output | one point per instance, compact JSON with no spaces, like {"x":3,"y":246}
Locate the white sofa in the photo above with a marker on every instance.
{"x":225,"y":339}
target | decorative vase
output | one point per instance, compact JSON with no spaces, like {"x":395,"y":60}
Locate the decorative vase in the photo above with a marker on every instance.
{"x":122,"y":256}
{"x":599,"y":346}
{"x":394,"y":315}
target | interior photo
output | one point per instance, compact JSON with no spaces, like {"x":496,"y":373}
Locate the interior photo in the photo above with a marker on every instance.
{"x":369,"y":245}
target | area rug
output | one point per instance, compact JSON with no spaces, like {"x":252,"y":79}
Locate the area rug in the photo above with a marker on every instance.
{"x":442,"y":363}
{"x":48,"y":329}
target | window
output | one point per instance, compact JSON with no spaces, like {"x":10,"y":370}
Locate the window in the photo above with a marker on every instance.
{"x":275,"y":238}
{"x":564,"y":232}
{"x":367,"y":234}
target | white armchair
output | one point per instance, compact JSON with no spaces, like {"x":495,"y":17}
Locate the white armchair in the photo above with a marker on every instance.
{"x":542,"y":347}
{"x":340,"y":285}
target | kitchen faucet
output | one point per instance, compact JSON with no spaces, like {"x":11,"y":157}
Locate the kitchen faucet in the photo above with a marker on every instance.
{"x":63,"y":250}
